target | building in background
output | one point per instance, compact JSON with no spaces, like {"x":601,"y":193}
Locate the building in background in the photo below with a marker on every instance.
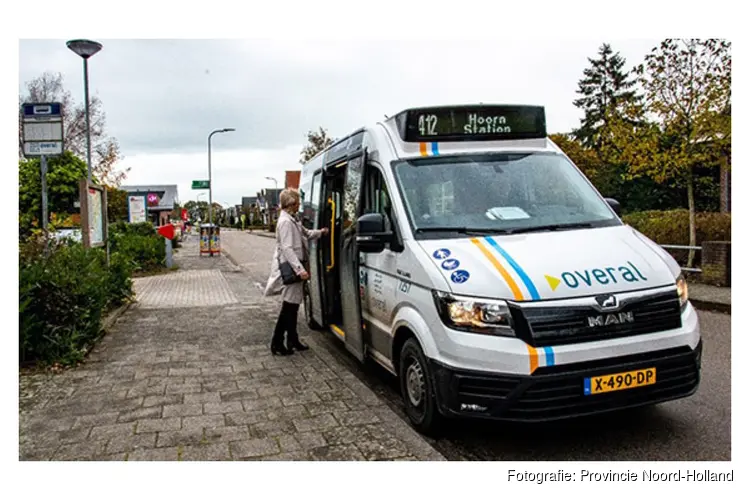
{"x":159,"y":201}
{"x":291,"y":179}
{"x":267,"y":202}
{"x":249,"y":202}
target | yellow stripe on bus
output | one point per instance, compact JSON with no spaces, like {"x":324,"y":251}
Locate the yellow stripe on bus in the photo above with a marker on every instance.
{"x":338,"y":331}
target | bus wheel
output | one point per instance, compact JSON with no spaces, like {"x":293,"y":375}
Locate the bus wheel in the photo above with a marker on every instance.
{"x":417,"y":390}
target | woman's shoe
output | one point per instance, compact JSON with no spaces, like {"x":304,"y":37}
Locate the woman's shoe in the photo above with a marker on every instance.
{"x":280,"y":350}
{"x":299,"y":346}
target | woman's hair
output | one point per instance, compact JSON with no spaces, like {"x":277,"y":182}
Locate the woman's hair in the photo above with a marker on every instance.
{"x":288,"y":198}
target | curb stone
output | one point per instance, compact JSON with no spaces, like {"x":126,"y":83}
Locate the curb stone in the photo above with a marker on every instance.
{"x":115,"y":315}
{"x":265,"y":235}
{"x":237,"y":267}
{"x":705,"y":305}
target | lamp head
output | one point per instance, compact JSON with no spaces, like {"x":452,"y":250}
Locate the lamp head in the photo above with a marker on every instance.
{"x":84,"y":48}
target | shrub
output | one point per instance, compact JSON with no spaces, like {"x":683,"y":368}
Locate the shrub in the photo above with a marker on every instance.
{"x":63,"y":297}
{"x":672,"y":227}
{"x":138,"y":229}
{"x":139,"y":244}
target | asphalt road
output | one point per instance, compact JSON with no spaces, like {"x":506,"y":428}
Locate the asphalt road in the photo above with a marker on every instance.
{"x":695,"y":428}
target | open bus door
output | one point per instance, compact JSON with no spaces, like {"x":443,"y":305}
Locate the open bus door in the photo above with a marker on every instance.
{"x":313,"y":300}
{"x":342,"y":186}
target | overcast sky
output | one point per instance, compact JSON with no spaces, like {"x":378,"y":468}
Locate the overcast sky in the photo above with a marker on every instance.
{"x":163,"y":97}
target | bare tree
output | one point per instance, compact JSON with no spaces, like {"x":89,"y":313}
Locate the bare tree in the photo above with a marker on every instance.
{"x":316,"y":142}
{"x":50,"y":87}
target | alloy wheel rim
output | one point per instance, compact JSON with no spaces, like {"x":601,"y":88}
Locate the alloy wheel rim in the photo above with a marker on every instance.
{"x":415,"y":383}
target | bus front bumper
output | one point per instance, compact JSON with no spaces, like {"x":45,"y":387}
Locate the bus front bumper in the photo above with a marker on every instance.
{"x":559,"y":392}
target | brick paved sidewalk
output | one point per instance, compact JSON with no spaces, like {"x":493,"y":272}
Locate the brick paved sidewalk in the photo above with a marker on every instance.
{"x":186,"y":374}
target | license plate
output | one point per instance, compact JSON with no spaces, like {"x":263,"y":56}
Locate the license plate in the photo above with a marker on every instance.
{"x":619,"y":381}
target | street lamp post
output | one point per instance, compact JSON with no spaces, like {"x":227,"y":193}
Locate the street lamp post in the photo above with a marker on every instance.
{"x":197,"y":203}
{"x":86,"y":49}
{"x":211,"y":185}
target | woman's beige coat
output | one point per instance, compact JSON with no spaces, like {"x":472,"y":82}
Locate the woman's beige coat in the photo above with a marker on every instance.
{"x":291,"y":246}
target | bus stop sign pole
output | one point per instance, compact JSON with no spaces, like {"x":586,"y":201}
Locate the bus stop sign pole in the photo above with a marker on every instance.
{"x":42,"y":137}
{"x":168,"y":232}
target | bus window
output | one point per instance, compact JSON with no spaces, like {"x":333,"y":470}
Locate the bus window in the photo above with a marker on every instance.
{"x":377,"y":199}
{"x":352,"y":191}
{"x":316,"y":187}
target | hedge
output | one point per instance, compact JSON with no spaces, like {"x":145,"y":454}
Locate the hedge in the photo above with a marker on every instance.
{"x":672,"y":227}
{"x":63,"y":296}
{"x":139,"y":243}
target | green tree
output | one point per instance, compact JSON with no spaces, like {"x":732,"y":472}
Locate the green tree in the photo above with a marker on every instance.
{"x":63,"y":189}
{"x":176,"y":212}
{"x":585,"y":158}
{"x":117,"y":204}
{"x":317,"y":141}
{"x":105,"y":150}
{"x":687,"y":85}
{"x":605,"y":88}
{"x":197,"y":209}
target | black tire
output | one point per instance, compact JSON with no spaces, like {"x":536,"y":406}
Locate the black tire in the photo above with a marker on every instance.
{"x":417,"y":390}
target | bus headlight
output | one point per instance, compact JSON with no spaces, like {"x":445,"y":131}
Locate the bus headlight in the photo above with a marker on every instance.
{"x":682,"y":291}
{"x":468,"y":314}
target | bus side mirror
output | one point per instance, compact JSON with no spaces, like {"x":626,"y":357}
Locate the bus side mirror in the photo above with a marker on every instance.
{"x":615,"y":205}
{"x":371,"y":233}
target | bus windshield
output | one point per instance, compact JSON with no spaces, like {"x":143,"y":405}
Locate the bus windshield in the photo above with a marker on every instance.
{"x":498,"y":193}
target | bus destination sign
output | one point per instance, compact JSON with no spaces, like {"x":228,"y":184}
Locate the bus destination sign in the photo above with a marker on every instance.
{"x":472,"y":123}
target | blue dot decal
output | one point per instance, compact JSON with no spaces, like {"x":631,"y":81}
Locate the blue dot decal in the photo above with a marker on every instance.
{"x":460,"y":276}
{"x":450,"y":264}
{"x":442,"y":253}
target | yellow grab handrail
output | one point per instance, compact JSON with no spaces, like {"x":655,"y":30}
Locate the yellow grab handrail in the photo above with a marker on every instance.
{"x":332,"y":229}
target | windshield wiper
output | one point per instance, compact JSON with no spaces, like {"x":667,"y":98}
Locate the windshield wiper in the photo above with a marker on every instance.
{"x":552,"y":227}
{"x":462,"y":230}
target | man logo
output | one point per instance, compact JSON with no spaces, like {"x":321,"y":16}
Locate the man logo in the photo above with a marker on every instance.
{"x":607,"y":302}
{"x":610,"y":319}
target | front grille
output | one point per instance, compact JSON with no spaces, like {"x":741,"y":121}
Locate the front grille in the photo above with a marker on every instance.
{"x":551,"y":326}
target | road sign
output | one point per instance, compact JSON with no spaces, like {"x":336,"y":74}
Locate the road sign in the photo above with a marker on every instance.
{"x":42,"y":129}
{"x":167,"y":231}
{"x":201,"y":184}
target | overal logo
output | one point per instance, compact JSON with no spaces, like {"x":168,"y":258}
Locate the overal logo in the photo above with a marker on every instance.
{"x":594,"y":276}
